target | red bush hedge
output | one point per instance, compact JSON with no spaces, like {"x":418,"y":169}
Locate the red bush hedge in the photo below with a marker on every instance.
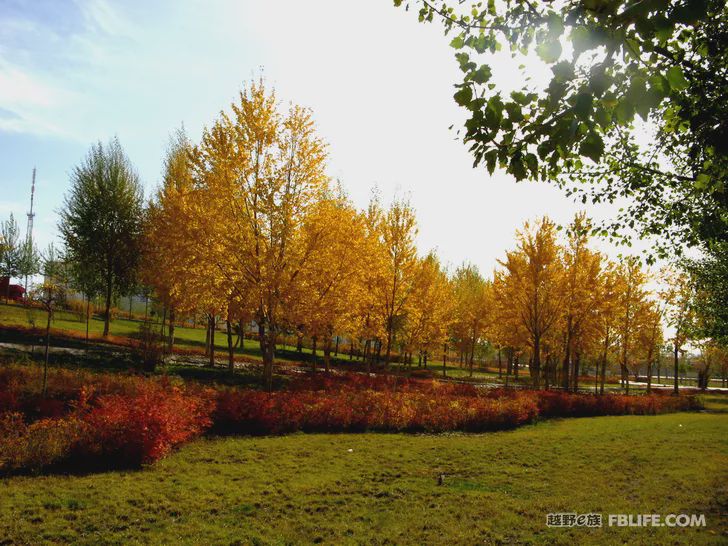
{"x":251,"y":412}
{"x":560,"y":404}
{"x":144,"y":426}
{"x":129,"y":420}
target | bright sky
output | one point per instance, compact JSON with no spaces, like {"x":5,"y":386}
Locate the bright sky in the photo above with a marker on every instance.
{"x":380,"y":85}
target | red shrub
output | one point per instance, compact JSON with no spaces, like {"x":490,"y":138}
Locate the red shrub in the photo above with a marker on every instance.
{"x":144,"y":426}
{"x":560,"y":404}
{"x":252,"y":412}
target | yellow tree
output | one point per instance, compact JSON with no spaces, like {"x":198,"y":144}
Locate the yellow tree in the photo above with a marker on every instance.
{"x":506,"y":329}
{"x":369,"y":324}
{"x":472,"y":304}
{"x":182,"y":283}
{"x":630,"y":301}
{"x":330,"y":284}
{"x":393,"y":286}
{"x":430,"y":314}
{"x":607,"y":316}
{"x":532,"y":281}
{"x":582,"y":268}
{"x":677,"y":293}
{"x":649,"y":335}
{"x":260,"y":172}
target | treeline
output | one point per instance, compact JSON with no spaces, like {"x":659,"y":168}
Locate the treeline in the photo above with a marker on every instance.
{"x":247,"y":227}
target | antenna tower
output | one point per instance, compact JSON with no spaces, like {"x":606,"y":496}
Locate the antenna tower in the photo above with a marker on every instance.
{"x":29,"y":230}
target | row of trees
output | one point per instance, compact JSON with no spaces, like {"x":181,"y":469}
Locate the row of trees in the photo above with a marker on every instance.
{"x":247,"y":226}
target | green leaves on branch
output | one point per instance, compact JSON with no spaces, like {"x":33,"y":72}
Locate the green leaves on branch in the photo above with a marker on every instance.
{"x":676,"y":79}
{"x":661,"y":60}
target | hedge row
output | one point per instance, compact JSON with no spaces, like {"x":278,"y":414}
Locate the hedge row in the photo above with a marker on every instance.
{"x":128,"y":421}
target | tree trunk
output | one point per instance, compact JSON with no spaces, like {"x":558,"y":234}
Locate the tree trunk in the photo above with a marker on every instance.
{"x":170,"y":341}
{"x":444,"y":360}
{"x":388,"y":353}
{"x":327,"y":353}
{"x":164,"y":322}
{"x":207,"y":337}
{"x":313,"y":353}
{"x":677,"y":366}
{"x":577,"y":365}
{"x":107,"y":313}
{"x":212,"y":340}
{"x":500,"y":364}
{"x":267,"y":348}
{"x":336,"y":349}
{"x":231,"y":353}
{"x":47,"y":351}
{"x":88,"y":316}
{"x":241,"y":335}
{"x":565,"y":364}
{"x":367,"y":345}
{"x":536,"y":371}
{"x":649,"y":375}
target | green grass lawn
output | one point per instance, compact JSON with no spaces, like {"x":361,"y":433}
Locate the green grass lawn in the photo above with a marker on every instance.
{"x":185,"y":337}
{"x":382,"y":488}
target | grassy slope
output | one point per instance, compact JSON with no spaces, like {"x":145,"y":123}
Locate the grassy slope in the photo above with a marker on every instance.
{"x":310,"y":488}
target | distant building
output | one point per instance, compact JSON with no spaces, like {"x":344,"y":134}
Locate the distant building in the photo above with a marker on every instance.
{"x":13,"y":291}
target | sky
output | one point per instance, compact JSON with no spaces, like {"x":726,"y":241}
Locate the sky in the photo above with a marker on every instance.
{"x":379,"y":84}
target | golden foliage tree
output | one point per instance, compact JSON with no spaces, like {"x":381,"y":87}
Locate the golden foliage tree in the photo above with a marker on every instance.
{"x":262,"y":172}
{"x":531,"y":284}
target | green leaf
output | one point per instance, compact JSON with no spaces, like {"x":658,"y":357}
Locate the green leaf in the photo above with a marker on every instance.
{"x":583,"y":105}
{"x":601,"y":116}
{"x":481,"y":75}
{"x":676,"y":78}
{"x":581,"y":40}
{"x":592,"y":147}
{"x":490,"y":159}
{"x":659,"y":85}
{"x":563,"y":71}
{"x":624,"y":111}
{"x":702,"y":181}
{"x":555,"y":24}
{"x":457,"y":42}
{"x":549,"y":51}
{"x":633,"y":48}
{"x":517,"y":168}
{"x":514,"y":112}
{"x":599,"y":82}
{"x":464,"y":96}
{"x":520,"y":98}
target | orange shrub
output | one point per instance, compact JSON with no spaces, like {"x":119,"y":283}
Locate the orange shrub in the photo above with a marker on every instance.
{"x":38,"y":445}
{"x":143,"y":426}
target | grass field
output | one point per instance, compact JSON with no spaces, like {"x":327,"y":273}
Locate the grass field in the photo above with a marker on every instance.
{"x":185,"y":337}
{"x":383,"y":488}
{"x":194,"y":338}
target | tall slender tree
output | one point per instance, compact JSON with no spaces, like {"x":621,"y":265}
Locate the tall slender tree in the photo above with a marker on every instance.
{"x":102,"y":218}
